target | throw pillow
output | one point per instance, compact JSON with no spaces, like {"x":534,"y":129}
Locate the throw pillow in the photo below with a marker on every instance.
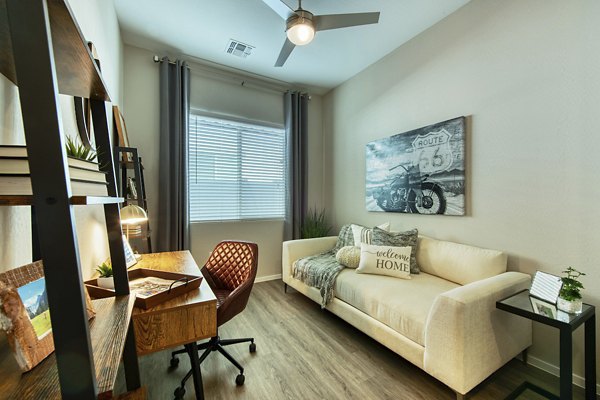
{"x":345,"y":238}
{"x":410,"y":238}
{"x":385,"y":260}
{"x":348,"y":256}
{"x":363,"y":234}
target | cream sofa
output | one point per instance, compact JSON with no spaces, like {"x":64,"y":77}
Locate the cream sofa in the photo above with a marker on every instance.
{"x":444,"y":320}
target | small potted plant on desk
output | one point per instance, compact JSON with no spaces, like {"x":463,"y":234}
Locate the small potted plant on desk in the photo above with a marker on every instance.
{"x":569,"y":298}
{"x":105,"y":280}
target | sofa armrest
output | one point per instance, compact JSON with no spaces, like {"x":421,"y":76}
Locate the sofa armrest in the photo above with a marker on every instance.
{"x":296,"y":249}
{"x":467,"y":338}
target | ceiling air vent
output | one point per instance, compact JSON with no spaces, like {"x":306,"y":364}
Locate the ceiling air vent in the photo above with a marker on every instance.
{"x":238,"y":49}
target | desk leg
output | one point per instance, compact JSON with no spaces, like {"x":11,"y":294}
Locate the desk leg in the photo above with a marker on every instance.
{"x":590,"y":358}
{"x":192,"y":349}
{"x":566,"y":364}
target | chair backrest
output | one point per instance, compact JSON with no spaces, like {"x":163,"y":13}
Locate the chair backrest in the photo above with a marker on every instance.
{"x":233,"y":263}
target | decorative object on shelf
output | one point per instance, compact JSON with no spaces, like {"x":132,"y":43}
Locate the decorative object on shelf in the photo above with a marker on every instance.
{"x":121,"y":130}
{"x":77,"y":150}
{"x":105,"y":279}
{"x":314,"y":225}
{"x":543,"y":308}
{"x":545,"y":286}
{"x":421,"y":171}
{"x":130,"y":257}
{"x":131,"y":190}
{"x":24,"y":314}
{"x":569,"y":299}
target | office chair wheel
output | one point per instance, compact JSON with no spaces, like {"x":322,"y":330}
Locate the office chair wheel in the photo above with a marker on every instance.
{"x":252,"y":348}
{"x":240,"y":379}
{"x":175,"y":363}
{"x":179,"y":393}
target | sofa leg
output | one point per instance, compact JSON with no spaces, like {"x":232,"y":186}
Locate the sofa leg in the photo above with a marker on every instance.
{"x":285,"y":288}
{"x":524,"y":356}
{"x":460,"y":396}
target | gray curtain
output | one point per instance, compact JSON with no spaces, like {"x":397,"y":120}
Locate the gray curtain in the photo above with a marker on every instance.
{"x":296,"y":128}
{"x":173,"y":223}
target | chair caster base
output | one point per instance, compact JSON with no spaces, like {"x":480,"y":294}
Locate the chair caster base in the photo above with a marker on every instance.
{"x":174,"y":362}
{"x":179,"y":393}
{"x":252,"y":348}
{"x":240,"y":379}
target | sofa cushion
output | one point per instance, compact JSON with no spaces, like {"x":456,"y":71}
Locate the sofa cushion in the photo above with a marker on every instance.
{"x":399,"y":239}
{"x":401,"y":304}
{"x":457,"y":262}
{"x":385,"y":260}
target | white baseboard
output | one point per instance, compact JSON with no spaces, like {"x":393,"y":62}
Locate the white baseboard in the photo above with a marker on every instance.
{"x":554,"y":370}
{"x":268,"y":278}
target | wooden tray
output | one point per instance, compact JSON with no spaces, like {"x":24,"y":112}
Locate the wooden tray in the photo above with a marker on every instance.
{"x":192,"y":282}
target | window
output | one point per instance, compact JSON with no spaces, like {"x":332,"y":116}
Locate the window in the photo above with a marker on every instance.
{"x":236,"y":170}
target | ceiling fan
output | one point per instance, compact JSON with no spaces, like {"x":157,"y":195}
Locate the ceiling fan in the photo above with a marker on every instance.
{"x":301,"y":24}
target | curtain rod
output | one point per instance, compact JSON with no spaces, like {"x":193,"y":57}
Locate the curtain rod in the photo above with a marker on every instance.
{"x":232,"y":77}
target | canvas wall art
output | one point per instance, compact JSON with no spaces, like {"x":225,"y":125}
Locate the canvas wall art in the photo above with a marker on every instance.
{"x":421,"y":171}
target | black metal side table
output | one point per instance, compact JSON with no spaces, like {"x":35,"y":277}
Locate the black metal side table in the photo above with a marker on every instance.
{"x":520,"y":304}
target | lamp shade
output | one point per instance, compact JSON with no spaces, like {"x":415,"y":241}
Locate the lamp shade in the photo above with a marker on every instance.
{"x":300,"y":28}
{"x":132,"y":214}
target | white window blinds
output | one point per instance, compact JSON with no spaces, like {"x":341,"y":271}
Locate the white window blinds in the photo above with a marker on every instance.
{"x":236,"y":170}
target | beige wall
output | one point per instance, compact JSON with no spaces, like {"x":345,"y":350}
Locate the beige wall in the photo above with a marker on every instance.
{"x":528,"y":74}
{"x":98,"y":23}
{"x":216,"y":93}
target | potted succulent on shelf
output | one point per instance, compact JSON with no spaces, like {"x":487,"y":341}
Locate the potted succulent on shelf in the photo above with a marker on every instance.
{"x":569,"y":298}
{"x":105,"y":279}
{"x":76,"y":149}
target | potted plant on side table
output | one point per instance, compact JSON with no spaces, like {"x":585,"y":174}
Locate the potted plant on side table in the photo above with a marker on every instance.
{"x":105,"y":280}
{"x":569,"y":298}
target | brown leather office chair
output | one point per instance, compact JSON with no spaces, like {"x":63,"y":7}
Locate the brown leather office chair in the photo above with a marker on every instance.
{"x":230,"y":272}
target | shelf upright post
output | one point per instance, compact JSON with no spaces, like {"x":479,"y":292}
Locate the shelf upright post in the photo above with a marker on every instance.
{"x":115,"y":233}
{"x":111,"y":211}
{"x":38,"y":91}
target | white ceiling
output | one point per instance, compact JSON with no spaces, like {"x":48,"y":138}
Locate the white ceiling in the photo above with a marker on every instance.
{"x":202,"y":29}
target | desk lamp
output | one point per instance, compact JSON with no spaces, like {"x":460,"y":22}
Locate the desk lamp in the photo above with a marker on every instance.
{"x":132,"y":215}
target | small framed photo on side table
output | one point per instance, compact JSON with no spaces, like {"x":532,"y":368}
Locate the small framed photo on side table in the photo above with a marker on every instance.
{"x":543,"y":308}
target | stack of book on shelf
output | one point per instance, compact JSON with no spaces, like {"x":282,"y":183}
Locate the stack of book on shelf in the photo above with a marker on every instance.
{"x":86,"y":177}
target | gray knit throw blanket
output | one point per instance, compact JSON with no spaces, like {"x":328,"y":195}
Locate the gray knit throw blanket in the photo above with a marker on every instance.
{"x":321,"y":270}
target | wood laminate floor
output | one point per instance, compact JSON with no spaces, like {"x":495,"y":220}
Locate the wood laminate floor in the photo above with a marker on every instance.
{"x":306,"y":353}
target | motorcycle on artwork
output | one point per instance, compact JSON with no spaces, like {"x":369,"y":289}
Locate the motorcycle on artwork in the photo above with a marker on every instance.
{"x":411,"y":192}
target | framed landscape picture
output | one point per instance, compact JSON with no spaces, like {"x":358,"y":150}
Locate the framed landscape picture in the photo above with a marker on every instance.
{"x":25,"y":315}
{"x":421,"y":171}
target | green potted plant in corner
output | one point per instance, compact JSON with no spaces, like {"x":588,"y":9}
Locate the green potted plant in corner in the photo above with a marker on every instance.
{"x":105,"y":279}
{"x":569,"y":298}
{"x":314,"y":225}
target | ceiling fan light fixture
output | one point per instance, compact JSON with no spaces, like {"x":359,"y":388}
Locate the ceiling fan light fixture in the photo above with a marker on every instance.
{"x":300,"y":28}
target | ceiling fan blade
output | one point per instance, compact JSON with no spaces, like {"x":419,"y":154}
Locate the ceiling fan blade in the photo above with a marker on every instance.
{"x":286,"y":50}
{"x":334,"y":21}
{"x":280,"y":7}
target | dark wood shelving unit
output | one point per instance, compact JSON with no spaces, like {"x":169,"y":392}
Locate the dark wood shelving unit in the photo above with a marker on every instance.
{"x":77,"y":73}
{"x":107,"y":332}
{"x":44,"y":53}
{"x":26,"y":200}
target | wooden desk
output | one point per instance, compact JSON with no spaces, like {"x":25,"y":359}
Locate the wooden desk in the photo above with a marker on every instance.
{"x":179,"y":321}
